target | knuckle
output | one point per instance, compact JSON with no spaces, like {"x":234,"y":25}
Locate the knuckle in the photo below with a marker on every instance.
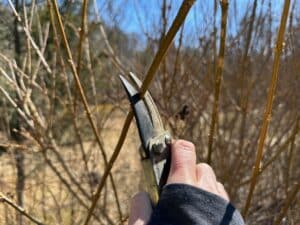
{"x":220,"y":185}
{"x":183,"y":154}
{"x":184,"y":145}
{"x":206,"y":170}
{"x":205,"y":167}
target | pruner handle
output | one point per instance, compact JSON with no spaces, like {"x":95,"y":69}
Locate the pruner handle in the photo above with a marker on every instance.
{"x":166,"y":169}
{"x":153,"y":187}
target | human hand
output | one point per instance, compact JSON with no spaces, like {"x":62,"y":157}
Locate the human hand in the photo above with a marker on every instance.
{"x":183,"y":170}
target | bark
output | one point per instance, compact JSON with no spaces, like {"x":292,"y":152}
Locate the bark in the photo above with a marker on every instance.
{"x":15,"y":127}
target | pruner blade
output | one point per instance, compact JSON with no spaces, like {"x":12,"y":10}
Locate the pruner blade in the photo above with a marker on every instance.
{"x":155,"y":140}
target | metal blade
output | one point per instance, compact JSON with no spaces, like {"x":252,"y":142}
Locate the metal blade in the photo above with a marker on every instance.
{"x":155,"y":140}
{"x":154,"y":114}
{"x":142,"y":117}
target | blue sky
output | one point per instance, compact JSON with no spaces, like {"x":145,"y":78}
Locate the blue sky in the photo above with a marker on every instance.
{"x":139,"y":16}
{"x":132,"y":13}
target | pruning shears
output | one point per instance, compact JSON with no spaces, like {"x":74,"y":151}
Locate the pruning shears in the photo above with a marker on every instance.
{"x":155,"y":140}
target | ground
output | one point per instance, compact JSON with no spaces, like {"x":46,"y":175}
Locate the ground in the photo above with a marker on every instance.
{"x":44,"y":190}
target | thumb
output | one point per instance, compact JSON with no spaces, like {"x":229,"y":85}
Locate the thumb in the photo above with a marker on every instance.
{"x":140,"y":210}
{"x":183,"y":163}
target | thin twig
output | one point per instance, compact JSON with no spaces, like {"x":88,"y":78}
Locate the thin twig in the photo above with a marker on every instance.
{"x":165,"y":44}
{"x":82,"y":94}
{"x":28,"y":53}
{"x":14,"y":104}
{"x":20,"y":72}
{"x":77,"y":80}
{"x":81,"y":42}
{"x":291,"y":197}
{"x":28,"y":35}
{"x":218,"y":81}
{"x":20,"y":209}
{"x":110,"y":164}
{"x":67,"y":86}
{"x":115,"y":59}
{"x":282,"y":148}
{"x":35,"y":73}
{"x":245,"y":84}
{"x":82,"y":34}
{"x":83,"y":31}
{"x":269,"y":104}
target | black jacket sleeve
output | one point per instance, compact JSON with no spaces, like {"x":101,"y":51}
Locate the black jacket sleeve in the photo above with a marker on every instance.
{"x":181,"y":204}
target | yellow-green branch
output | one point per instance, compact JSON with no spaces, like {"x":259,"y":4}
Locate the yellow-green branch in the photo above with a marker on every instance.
{"x":269,"y":104}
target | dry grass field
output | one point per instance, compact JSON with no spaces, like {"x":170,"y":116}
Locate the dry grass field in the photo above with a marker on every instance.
{"x":46,"y":197}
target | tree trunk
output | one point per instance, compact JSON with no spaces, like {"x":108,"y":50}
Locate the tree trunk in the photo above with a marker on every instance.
{"x":16,"y":127}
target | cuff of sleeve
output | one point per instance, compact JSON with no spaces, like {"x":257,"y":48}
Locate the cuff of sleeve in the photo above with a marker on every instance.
{"x":187,"y":205}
